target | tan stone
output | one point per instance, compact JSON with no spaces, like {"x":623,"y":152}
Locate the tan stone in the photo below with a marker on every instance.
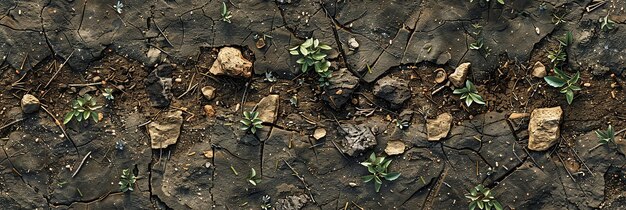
{"x":208,"y":92}
{"x":268,"y":108}
{"x":165,"y":132}
{"x":30,"y":104}
{"x":539,"y":70}
{"x":438,"y":128}
{"x":543,"y":128}
{"x":209,"y":111}
{"x":460,"y":75}
{"x":395,"y":147}
{"x":231,"y":62}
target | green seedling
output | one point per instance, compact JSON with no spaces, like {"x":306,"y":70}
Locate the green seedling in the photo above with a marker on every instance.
{"x":251,"y":121}
{"x":476,"y":45}
{"x":127,"y":180}
{"x":470,"y":94}
{"x":108,"y":94}
{"x":606,"y":24}
{"x":83,"y":108}
{"x":378,"y":168}
{"x":312,"y":54}
{"x":482,"y":198}
{"x":253,"y":178}
{"x":567,"y":83}
{"x":607,"y":136}
{"x":226,"y":14}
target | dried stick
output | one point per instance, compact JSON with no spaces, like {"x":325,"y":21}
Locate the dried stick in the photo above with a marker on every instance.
{"x":58,"y":123}
{"x":296,"y":174}
{"x":59,"y":69}
{"x":81,"y":164}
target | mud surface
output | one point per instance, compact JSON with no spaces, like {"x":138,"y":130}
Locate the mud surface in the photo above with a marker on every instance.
{"x":156,"y":56}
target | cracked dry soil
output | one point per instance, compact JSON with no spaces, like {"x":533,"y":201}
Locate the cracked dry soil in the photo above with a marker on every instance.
{"x":57,"y":50}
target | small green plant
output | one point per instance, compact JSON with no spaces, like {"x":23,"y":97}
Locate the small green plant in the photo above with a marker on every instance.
{"x":477,"y":45}
{"x":266,"y":202}
{"x":470,"y":94}
{"x":606,"y":24}
{"x":482,"y":198}
{"x":378,"y":168}
{"x":251,"y":121}
{"x":127,"y":180}
{"x":313,"y":54}
{"x":567,"y":83}
{"x":83,"y":108}
{"x":254,"y":179}
{"x":108,"y":94}
{"x":607,"y":136}
{"x":401,"y":124}
{"x":226,"y":14}
{"x":559,"y":55}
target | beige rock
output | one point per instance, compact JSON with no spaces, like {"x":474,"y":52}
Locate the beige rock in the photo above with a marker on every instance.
{"x":268,"y":108}
{"x":395,"y":147}
{"x":208,"y":154}
{"x":30,"y":104}
{"x":319,"y":133}
{"x":518,"y":115}
{"x":208,"y":92}
{"x":231,"y":62}
{"x":543,"y":128}
{"x":539,"y":70}
{"x":460,"y":75}
{"x":438,"y":128}
{"x":166,"y":131}
{"x":209,"y":111}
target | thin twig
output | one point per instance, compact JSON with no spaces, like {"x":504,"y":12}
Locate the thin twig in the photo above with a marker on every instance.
{"x":88,"y":84}
{"x":59,"y":69}
{"x":81,"y":164}
{"x":58,"y":123}
{"x":563,"y":163}
{"x":11,"y":123}
{"x":296,"y":174}
{"x":161,"y":31}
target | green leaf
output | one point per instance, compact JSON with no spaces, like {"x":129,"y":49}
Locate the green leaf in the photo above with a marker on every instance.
{"x":574,"y":79}
{"x":293,"y":52}
{"x":501,"y":1}
{"x":554,"y":81}
{"x":472,"y":205}
{"x":569,"y":95}
{"x":377,"y":185}
{"x":497,"y":205}
{"x":246,"y":115}
{"x":86,"y":115}
{"x":386,"y":164}
{"x":561,"y":74}
{"x":252,"y":173}
{"x":224,"y":9}
{"x":392,"y":176}
{"x":253,"y":130}
{"x":303,"y":50}
{"x":468,"y":101}
{"x":481,"y":205}
{"x":307,"y":43}
{"x":371,"y":169}
{"x":318,"y":56}
{"x":68,"y":117}
{"x":460,"y":91}
{"x":372,"y":157}
{"x":316,"y":43}
{"x":368,"y":178}
{"x":575,"y":88}
{"x":294,"y":49}
{"x":477,"y":98}
{"x":305,"y":67}
{"x":325,"y":47}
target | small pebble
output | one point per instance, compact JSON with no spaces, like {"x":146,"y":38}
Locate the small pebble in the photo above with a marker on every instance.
{"x":178,"y":80}
{"x":586,"y":84}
